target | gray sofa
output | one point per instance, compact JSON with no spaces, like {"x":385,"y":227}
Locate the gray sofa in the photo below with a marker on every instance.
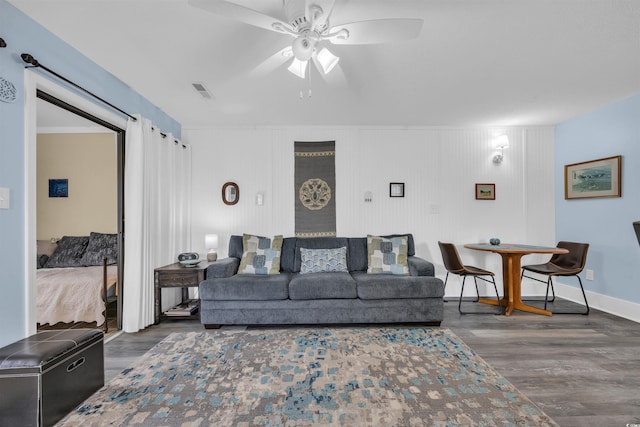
{"x":228,"y":298}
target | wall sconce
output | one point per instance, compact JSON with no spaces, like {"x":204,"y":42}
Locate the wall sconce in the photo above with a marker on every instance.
{"x":500,"y":143}
{"x":211,"y":243}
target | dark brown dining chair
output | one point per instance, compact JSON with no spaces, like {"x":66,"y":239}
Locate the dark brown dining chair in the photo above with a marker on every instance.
{"x":454,"y":265}
{"x":569,"y":264}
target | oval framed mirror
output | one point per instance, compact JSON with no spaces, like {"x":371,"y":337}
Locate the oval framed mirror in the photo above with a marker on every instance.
{"x":230,"y":193}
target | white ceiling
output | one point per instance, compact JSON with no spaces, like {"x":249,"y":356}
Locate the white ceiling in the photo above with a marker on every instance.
{"x":476,"y":63}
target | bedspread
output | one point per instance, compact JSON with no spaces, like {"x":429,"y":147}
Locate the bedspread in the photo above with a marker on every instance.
{"x":72,"y":294}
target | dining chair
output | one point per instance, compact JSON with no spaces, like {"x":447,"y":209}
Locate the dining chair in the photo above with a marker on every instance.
{"x":569,"y":264}
{"x":454,"y":265}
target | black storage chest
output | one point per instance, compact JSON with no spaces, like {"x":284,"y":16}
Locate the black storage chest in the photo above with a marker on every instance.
{"x":43,"y":377}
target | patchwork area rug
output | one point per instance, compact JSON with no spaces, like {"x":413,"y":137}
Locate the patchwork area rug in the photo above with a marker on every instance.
{"x":369,"y":376}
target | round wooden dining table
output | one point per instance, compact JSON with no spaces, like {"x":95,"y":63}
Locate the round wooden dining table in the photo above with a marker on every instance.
{"x":511,"y":255}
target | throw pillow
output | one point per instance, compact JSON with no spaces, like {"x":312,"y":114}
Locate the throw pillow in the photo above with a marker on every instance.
{"x":387,"y":256}
{"x":323,"y":260}
{"x":69,"y":252}
{"x":100,"y":246}
{"x":260,"y":255}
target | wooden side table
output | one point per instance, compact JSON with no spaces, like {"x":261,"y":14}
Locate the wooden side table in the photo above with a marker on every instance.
{"x":176,"y":276}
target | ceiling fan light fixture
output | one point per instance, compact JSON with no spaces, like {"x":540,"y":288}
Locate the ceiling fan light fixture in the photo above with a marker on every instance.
{"x":327,"y":60}
{"x":303,"y":48}
{"x":299,"y":68}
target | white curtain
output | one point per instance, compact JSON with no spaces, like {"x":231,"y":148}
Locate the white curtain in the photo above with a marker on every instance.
{"x":157,"y":178}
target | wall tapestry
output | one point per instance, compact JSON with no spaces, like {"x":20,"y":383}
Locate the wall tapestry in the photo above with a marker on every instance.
{"x":315,"y":187}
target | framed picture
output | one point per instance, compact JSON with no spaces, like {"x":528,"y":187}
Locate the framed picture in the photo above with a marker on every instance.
{"x":58,"y":188}
{"x":396,"y":189}
{"x":595,"y":178}
{"x":485,"y":191}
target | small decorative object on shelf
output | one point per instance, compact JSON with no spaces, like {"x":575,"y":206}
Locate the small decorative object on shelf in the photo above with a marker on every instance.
{"x":494,"y":241}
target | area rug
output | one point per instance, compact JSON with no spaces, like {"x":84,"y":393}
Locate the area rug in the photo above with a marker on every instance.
{"x":367,"y":376}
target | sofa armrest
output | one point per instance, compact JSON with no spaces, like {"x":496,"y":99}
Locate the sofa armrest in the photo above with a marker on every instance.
{"x":420,"y":267}
{"x":225,"y":267}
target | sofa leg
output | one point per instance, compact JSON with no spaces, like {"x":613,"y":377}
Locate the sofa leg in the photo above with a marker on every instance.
{"x":212,"y":326}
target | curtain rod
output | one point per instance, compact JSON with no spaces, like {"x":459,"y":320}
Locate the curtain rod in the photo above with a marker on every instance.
{"x":29,"y":59}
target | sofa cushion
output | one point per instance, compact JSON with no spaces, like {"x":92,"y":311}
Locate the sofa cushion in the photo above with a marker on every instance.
{"x":357,"y":253}
{"x":323,"y":260}
{"x":379,"y":286}
{"x":317,"y":243}
{"x":261,"y":255}
{"x":245,"y":287}
{"x":387,"y":256}
{"x":288,"y":255}
{"x":331,"y":285}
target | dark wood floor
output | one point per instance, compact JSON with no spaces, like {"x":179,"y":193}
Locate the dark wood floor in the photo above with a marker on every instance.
{"x":582,"y":371}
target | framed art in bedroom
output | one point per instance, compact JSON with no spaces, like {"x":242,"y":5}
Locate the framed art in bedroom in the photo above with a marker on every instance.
{"x":58,"y":188}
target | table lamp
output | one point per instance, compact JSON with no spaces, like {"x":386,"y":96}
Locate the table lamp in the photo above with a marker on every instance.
{"x":211,"y":243}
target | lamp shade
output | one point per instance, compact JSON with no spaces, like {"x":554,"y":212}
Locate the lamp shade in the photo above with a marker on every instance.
{"x":299,"y":68}
{"x":211,"y":241}
{"x":327,"y":60}
{"x":502,"y":142}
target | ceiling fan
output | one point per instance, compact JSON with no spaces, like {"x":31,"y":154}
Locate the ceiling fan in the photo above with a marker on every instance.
{"x":308,"y":22}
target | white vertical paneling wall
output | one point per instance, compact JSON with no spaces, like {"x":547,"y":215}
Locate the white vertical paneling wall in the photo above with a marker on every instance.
{"x":439,"y":167}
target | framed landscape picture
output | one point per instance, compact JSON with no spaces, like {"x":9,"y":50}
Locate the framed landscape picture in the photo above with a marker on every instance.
{"x":485,"y":191}
{"x":595,"y":178}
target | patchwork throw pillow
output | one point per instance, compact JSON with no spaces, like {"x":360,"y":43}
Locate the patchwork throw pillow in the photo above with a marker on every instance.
{"x":100,"y":246}
{"x":260,"y":255}
{"x":387,"y":256}
{"x":68,"y":252}
{"x":323,"y":260}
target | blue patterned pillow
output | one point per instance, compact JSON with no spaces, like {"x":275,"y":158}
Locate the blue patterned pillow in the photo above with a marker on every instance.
{"x":387,"y":256}
{"x":323,"y":260}
{"x":261,"y":255}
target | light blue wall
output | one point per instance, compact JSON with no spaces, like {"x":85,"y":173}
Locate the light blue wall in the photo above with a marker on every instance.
{"x":614,"y":252}
{"x":22,"y":34}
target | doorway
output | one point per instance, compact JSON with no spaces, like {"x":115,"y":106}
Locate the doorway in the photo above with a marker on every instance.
{"x":41,"y":92}
{"x":77,"y":145}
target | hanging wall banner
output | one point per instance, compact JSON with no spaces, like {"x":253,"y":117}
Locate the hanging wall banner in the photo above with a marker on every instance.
{"x":315,"y":187}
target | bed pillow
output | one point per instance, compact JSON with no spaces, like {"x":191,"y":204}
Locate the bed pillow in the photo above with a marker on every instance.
{"x":387,"y":256}
{"x":68,"y":252}
{"x":260,"y":255}
{"x":323,"y":260}
{"x":101,"y":245}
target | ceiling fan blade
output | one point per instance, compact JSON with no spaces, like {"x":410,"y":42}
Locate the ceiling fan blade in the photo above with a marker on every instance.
{"x":272,"y":62}
{"x":242,"y":14}
{"x":377,"y":31}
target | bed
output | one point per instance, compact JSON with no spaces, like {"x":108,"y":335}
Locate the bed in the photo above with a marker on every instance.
{"x":77,"y":280}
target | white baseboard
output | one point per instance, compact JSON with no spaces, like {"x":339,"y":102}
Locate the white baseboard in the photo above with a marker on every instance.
{"x":618,"y":307}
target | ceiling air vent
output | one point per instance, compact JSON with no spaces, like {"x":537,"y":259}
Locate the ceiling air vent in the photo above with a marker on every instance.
{"x":202,"y":90}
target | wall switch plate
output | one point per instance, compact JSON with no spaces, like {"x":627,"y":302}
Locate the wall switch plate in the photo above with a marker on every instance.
{"x":4,"y":198}
{"x":589,"y":275}
{"x":435,"y":209}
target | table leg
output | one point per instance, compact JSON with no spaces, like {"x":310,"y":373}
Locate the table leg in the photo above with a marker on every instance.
{"x":512,"y":299}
